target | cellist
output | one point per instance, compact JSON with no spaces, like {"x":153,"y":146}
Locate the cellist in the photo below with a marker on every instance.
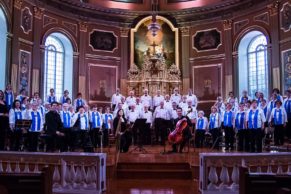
{"x":186,"y":133}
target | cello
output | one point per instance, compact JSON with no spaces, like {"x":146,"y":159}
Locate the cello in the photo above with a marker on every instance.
{"x":176,"y":136}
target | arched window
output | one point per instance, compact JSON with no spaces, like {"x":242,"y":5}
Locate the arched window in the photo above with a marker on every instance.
{"x":253,"y":63}
{"x":58,"y":62}
{"x":3,"y":48}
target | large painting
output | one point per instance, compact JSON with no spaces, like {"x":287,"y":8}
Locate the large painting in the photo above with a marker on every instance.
{"x":285,"y":17}
{"x":103,"y":41}
{"x":24,"y":70}
{"x":163,"y":45}
{"x":206,"y":40}
{"x":286,"y":66}
{"x":102,"y":82}
{"x":207,"y":81}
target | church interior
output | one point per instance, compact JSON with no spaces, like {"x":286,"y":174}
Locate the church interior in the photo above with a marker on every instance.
{"x":145,"y":96}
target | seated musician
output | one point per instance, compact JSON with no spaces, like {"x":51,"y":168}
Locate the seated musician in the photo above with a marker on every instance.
{"x":120,"y":128}
{"x":186,"y":132}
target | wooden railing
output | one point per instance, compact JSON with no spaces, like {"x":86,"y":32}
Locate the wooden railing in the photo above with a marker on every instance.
{"x":219,"y":172}
{"x":73,"y":172}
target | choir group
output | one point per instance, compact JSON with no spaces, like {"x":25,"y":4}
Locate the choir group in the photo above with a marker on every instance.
{"x":66,"y":125}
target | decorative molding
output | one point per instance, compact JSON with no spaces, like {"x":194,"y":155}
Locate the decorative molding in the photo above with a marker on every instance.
{"x":26,"y":20}
{"x":239,"y":25}
{"x":273,"y":8}
{"x":103,"y":42}
{"x":27,"y":42}
{"x":286,"y":69}
{"x":185,"y":31}
{"x":24,"y":70}
{"x":72,"y":27}
{"x":207,"y":39}
{"x":47,"y":20}
{"x":18,"y":4}
{"x":285,"y":17}
{"x":124,"y":32}
{"x":276,"y":77}
{"x":264,"y":17}
{"x":216,"y":56}
{"x":102,"y":57}
{"x":83,"y":26}
{"x":38,"y":12}
{"x":227,"y":24}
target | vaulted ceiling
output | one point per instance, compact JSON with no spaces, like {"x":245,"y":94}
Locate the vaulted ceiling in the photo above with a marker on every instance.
{"x":127,"y":12}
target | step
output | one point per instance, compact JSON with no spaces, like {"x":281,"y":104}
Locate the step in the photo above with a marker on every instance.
{"x":153,"y":174}
{"x":147,"y":166}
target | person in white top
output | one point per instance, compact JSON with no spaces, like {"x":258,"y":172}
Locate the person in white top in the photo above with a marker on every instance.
{"x":131,"y":98}
{"x":119,"y":106}
{"x":51,"y":97}
{"x":228,"y":121}
{"x":96,"y":122}
{"x":161,"y":116}
{"x":15,"y":113}
{"x":183,"y":104}
{"x":116,"y":98}
{"x":278,"y":119}
{"x":240,"y":126}
{"x":287,"y":106}
{"x":21,"y":95}
{"x":214,"y":126}
{"x":190,"y":112}
{"x":201,"y":127}
{"x":139,"y":106}
{"x":107,"y":118}
{"x":167,"y":102}
{"x":79,"y":101}
{"x":146,"y":130}
{"x":255,"y":123}
{"x":220,"y":105}
{"x":176,"y":97}
{"x":35,"y":98}
{"x":146,"y":98}
{"x":132,"y":115}
{"x":244,"y":97}
{"x":65,"y":97}
{"x":157,"y":99}
{"x":192,"y":97}
{"x":66,"y":117}
{"x":173,"y":111}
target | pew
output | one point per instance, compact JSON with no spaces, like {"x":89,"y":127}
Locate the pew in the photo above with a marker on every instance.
{"x":27,"y":183}
{"x":263,"y":183}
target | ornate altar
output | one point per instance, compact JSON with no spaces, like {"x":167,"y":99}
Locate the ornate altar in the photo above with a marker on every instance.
{"x":154,"y":57}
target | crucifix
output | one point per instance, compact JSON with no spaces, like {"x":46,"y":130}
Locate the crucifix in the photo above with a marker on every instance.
{"x":154,"y":45}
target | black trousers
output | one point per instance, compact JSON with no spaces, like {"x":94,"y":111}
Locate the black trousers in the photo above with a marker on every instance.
{"x":85,"y":141}
{"x":186,"y":136}
{"x":33,"y":141}
{"x":216,"y":134}
{"x":125,"y":141}
{"x":279,"y":134}
{"x":229,"y":137}
{"x":62,"y":142}
{"x":288,"y":128}
{"x":16,"y":140}
{"x":199,"y":138}
{"x":243,"y":140}
{"x":4,"y":126}
{"x":161,"y":126}
{"x":96,"y":135}
{"x":255,"y":136}
{"x":146,"y":134}
{"x":105,"y":137}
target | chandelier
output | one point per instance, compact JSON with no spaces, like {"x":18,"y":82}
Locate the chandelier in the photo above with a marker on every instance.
{"x":154,"y":26}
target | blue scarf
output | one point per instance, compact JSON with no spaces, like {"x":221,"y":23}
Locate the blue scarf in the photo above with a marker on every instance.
{"x":272,"y":105}
{"x":255,"y":124}
{"x":278,"y":121}
{"x":8,"y":99}
{"x":106,"y":120}
{"x":51,"y":99}
{"x":35,"y":128}
{"x":66,"y":120}
{"x":265,"y":111}
{"x":17,"y":115}
{"x":212,"y":121}
{"x":288,"y":107}
{"x":79,"y":102}
{"x":227,"y":119}
{"x":94,"y":115}
{"x":239,"y":124}
{"x":86,"y":120}
{"x":64,"y":100}
{"x":200,"y":123}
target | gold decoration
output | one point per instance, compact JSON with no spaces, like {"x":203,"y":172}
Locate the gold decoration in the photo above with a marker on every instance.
{"x":18,"y":4}
{"x":227,"y":24}
{"x":274,"y":8}
{"x":83,"y":26}
{"x":38,"y":12}
{"x":185,"y":31}
{"x":124,"y":32}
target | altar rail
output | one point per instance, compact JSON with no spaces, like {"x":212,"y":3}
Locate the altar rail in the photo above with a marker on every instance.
{"x":219,"y":172}
{"x":73,"y":172}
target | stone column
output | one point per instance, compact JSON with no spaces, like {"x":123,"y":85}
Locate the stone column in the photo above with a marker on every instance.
{"x":124,"y":55}
{"x":228,"y":63}
{"x":80,"y":67}
{"x":185,"y":66}
{"x":275,"y":49}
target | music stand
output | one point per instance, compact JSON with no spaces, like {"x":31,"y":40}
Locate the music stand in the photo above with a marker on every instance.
{"x":139,"y":125}
{"x":23,"y":124}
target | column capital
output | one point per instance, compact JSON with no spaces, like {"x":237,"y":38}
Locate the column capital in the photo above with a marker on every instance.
{"x":38,"y":12}
{"x":273,"y":8}
{"x":18,"y":4}
{"x":124,"y":32}
{"x":185,"y":31}
{"x":227,"y":24}
{"x":83,"y":26}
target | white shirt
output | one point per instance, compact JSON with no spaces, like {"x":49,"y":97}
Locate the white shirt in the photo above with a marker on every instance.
{"x":190,"y":114}
{"x":275,"y":114}
{"x":70,"y":115}
{"x":217,"y":120}
{"x":12,"y":118}
{"x":183,"y":105}
{"x":147,"y":115}
{"x":176,"y":98}
{"x":84,"y":121}
{"x":173,"y":114}
{"x":116,"y":98}
{"x":162,"y":113}
{"x":29,"y":117}
{"x":130,"y":100}
{"x":132,"y":116}
{"x":168,"y":105}
{"x":82,"y":100}
{"x":238,"y":115}
{"x":95,"y":118}
{"x":157,"y":100}
{"x":261,"y":117}
{"x":146,"y":100}
{"x":193,"y":98}
{"x":109,"y":120}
